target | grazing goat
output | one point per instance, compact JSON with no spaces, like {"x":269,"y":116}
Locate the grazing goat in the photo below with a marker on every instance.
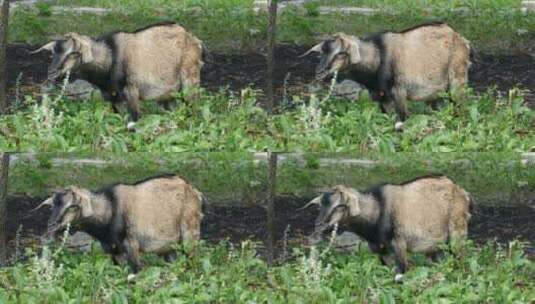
{"x":417,"y":215}
{"x":149,"y":63}
{"x":418,"y":63}
{"x":148,"y":216}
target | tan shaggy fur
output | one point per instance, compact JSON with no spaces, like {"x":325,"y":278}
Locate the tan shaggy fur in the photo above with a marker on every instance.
{"x":161,"y":212}
{"x":149,"y":64}
{"x":421,"y":57}
{"x":167,"y":57}
{"x":416,"y":216}
{"x":416,"y":64}
{"x":127,"y":219}
{"x":427,"y":212}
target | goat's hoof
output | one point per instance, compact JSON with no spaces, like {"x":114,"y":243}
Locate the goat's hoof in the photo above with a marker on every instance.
{"x":131,"y":277}
{"x":398,"y":126}
{"x":398,"y":278}
{"x":131,"y":126}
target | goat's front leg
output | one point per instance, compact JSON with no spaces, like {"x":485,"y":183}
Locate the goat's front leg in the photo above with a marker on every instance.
{"x":130,"y":95}
{"x":384,"y":256}
{"x":131,"y":246}
{"x":119,"y":259}
{"x":399,"y":97}
{"x":399,"y":245}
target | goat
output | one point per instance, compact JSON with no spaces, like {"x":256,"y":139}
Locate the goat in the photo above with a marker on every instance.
{"x":417,"y":215}
{"x":418,"y":63}
{"x":148,"y":216}
{"x":150,"y":63}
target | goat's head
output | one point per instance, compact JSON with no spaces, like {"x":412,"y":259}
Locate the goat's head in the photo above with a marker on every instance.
{"x":336,"y":206}
{"x":337,"y":53}
{"x":69,"y":53}
{"x":68,"y":207}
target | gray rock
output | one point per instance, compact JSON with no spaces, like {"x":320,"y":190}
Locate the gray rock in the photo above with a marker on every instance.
{"x":348,"y":89}
{"x":80,"y":241}
{"x":80,"y":90}
{"x":347,"y":242}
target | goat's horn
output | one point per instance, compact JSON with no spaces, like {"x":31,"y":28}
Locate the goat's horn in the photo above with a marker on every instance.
{"x":315,"y":201}
{"x":47,"y":202}
{"x":47,"y":47}
{"x":316,"y":48}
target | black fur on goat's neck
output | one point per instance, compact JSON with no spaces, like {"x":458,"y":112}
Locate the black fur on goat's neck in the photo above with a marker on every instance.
{"x":111,"y":232}
{"x":109,"y":81}
{"x":366,"y":73}
{"x":380,"y":231}
{"x":374,"y":79}
{"x":101,"y":77}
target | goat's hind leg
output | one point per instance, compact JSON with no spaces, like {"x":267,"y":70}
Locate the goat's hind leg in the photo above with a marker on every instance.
{"x":190,"y":234}
{"x":190,"y":78}
{"x":131,"y":246}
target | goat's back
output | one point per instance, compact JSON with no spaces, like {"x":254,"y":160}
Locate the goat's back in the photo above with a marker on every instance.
{"x":155,"y":209}
{"x":154,"y":58}
{"x":427,"y":211}
{"x":426,"y":58}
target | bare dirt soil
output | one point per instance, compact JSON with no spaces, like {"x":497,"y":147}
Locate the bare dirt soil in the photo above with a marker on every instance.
{"x":239,"y":70}
{"x":235,"y":223}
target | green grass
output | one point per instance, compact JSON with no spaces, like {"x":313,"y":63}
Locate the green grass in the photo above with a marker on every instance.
{"x":223,"y":273}
{"x":235,"y":178}
{"x":226,"y":122}
{"x":245,"y":29}
{"x":426,"y":3}
{"x":221,"y":121}
{"x":222,"y":177}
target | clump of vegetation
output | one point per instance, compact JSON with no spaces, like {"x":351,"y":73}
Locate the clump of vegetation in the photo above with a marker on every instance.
{"x":231,"y":122}
{"x":226,"y":273}
{"x":245,"y":27}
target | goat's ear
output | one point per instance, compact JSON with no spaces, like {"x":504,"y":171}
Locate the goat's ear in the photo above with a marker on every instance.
{"x":350,"y":199}
{"x":351,"y":46}
{"x":83,"y":45}
{"x":47,"y":47}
